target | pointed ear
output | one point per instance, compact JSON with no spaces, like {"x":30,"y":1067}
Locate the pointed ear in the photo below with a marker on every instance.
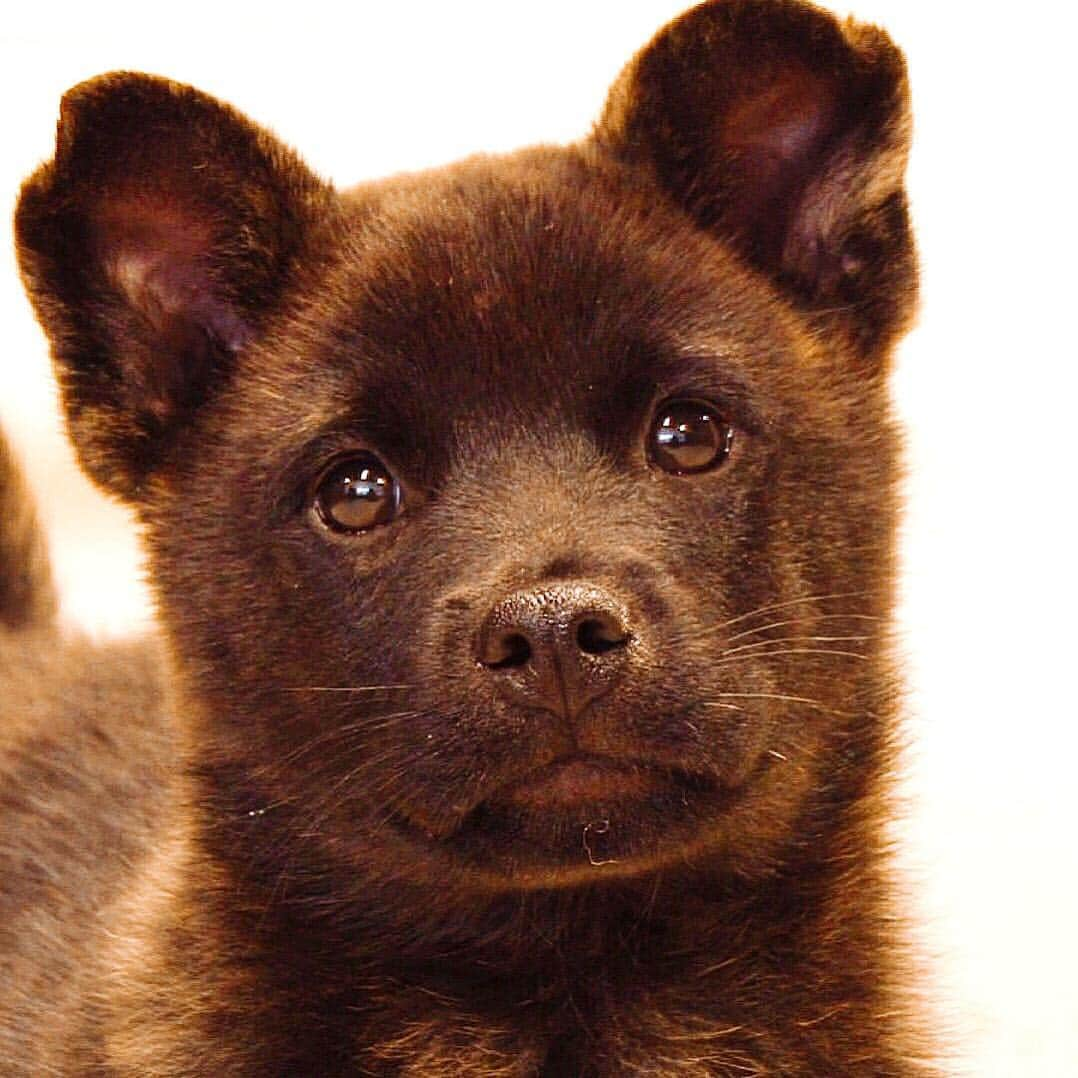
{"x":784,"y":133}
{"x":154,"y":247}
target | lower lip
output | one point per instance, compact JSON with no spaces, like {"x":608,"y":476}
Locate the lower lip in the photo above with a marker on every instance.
{"x":580,"y":781}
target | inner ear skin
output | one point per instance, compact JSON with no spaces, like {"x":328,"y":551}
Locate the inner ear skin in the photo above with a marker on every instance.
{"x":157,"y":257}
{"x":771,"y":142}
{"x":180,"y":337}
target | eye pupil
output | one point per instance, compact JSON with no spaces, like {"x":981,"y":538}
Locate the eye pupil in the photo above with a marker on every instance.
{"x":689,"y":436}
{"x":357,"y":493}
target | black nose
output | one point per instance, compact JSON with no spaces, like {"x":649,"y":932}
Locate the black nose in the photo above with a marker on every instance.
{"x":556,"y":647}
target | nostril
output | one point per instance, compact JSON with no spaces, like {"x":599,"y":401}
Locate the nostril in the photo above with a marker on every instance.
{"x":507,"y":650}
{"x":598,"y":634}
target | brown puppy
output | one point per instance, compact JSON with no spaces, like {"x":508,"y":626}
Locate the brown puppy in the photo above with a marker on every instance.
{"x":522,"y":535}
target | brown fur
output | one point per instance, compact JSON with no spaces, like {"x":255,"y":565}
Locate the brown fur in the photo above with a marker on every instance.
{"x":27,"y":598}
{"x":311,"y":860}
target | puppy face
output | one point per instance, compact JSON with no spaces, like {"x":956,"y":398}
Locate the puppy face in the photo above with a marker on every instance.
{"x":442,"y":531}
{"x":527,"y":524}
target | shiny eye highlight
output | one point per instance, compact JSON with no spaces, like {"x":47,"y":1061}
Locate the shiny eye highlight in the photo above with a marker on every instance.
{"x":357,"y":493}
{"x":689,"y":436}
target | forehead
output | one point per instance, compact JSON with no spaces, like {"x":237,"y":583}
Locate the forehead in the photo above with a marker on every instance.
{"x":546,"y":285}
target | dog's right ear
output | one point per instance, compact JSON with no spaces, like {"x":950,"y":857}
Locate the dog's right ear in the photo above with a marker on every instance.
{"x":153,"y":247}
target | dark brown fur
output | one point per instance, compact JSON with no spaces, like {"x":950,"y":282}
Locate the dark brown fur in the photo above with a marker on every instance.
{"x":307,"y":862}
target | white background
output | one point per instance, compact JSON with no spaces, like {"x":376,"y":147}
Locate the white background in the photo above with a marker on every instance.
{"x":986,"y":385}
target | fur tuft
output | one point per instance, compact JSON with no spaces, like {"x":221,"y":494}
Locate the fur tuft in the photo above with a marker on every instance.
{"x":27,"y":597}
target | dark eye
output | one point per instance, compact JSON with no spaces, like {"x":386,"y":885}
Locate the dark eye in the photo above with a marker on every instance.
{"x":357,"y":493}
{"x":689,"y":436}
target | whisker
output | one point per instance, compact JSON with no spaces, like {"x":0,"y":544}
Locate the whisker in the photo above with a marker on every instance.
{"x":329,"y":800}
{"x":368,"y":724}
{"x":781,"y":696}
{"x":791,"y":651}
{"x":789,"y":639}
{"x":811,"y":617}
{"x":794,"y":602}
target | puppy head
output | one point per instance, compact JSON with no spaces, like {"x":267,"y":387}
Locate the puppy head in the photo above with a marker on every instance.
{"x":526,"y":523}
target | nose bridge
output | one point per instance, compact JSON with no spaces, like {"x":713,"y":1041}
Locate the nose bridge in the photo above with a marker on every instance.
{"x":557,"y":504}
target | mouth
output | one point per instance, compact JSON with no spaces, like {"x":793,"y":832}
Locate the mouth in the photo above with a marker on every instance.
{"x":582,"y":816}
{"x":582,"y":781}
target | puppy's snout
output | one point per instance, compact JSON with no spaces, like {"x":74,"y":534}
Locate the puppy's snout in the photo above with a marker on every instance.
{"x":557,"y":647}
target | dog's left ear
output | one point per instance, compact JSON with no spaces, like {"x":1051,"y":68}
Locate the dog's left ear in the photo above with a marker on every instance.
{"x":784,"y":133}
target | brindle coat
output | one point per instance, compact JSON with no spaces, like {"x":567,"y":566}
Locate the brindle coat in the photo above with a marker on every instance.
{"x":569,"y":760}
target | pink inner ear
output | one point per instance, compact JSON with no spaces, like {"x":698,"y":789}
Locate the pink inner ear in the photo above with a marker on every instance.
{"x":157,"y":256}
{"x":779,"y":127}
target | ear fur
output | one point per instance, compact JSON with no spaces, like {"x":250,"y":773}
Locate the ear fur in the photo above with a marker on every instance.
{"x":152,"y":246}
{"x":785,"y":133}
